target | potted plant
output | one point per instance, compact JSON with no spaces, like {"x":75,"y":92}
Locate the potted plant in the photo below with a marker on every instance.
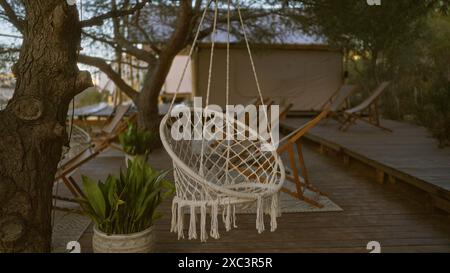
{"x":123,"y":209}
{"x":136,"y":143}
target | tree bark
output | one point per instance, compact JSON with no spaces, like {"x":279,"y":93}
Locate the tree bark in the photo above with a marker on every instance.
{"x":32,"y":127}
{"x":147,"y":101}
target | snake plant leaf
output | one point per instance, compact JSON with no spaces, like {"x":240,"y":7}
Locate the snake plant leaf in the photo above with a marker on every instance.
{"x":94,"y":196}
{"x":147,"y":201}
{"x":128,"y":203}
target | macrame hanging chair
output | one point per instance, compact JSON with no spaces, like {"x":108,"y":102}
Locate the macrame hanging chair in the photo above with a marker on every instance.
{"x":214,"y":176}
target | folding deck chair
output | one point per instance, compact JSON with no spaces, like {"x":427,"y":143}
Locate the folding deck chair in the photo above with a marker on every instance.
{"x":298,"y":173}
{"x":366,"y":111}
{"x":115,"y":124}
{"x":340,"y":97}
{"x":68,"y":167}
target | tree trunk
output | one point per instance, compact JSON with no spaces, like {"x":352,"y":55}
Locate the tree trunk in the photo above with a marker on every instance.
{"x":147,"y":103}
{"x":32,"y":127}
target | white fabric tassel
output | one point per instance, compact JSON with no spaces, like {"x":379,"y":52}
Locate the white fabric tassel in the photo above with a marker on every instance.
{"x":228,"y":218}
{"x":234,"y":216}
{"x":214,"y":220}
{"x":274,"y":212}
{"x":180,"y":221}
{"x":260,"y":215}
{"x":203,"y":234}
{"x":192,"y":224}
{"x":173,"y":225}
{"x":224,"y":220}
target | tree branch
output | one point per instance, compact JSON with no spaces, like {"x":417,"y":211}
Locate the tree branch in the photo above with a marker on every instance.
{"x":98,"y":20}
{"x":125,"y":45}
{"x":12,"y":16}
{"x":113,"y":75}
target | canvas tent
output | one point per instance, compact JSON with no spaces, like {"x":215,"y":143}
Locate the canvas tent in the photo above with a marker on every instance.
{"x":305,"y":75}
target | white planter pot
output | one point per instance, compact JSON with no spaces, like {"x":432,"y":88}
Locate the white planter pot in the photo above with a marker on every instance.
{"x":140,"y":242}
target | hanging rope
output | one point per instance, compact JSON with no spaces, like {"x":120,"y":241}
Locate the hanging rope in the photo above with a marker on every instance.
{"x":226,"y":174}
{"x":211,"y":58}
{"x":227,"y":89}
{"x":255,"y":75}
{"x":208,"y":90}
{"x":188,"y":61}
{"x":244,"y":31}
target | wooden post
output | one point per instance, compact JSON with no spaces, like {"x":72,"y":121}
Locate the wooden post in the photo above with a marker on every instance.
{"x":346,"y":160}
{"x":322,"y":149}
{"x":379,"y":176}
{"x":302,"y":162}
{"x":392,"y":179}
{"x":294,"y":168}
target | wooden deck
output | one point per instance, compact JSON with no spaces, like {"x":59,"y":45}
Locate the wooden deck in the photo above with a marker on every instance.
{"x":370,"y":212}
{"x":408,"y":154}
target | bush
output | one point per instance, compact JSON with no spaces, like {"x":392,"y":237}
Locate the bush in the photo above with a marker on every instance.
{"x":435,"y":114}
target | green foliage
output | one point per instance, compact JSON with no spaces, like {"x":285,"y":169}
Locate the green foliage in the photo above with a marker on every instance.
{"x":362,"y":27}
{"x":126,"y":204}
{"x":422,"y":79}
{"x":408,"y":44}
{"x":435,"y":114}
{"x":137,"y":142}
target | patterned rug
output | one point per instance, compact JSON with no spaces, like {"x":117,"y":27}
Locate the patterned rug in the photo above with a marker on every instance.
{"x":290,"y":204}
{"x":67,"y":226}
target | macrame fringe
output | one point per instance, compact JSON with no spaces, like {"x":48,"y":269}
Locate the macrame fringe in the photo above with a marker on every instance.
{"x":260,"y":215}
{"x":192,"y":224}
{"x":173,"y":225}
{"x":228,"y":217}
{"x":203,"y":234}
{"x":274,"y":211}
{"x":234,"y":216}
{"x":180,"y":223}
{"x":214,"y":221}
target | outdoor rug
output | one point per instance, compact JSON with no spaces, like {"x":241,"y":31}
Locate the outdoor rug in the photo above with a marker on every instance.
{"x":290,"y":204}
{"x":67,"y":226}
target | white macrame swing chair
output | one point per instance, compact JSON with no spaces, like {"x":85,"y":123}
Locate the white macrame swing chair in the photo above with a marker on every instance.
{"x":214,"y":176}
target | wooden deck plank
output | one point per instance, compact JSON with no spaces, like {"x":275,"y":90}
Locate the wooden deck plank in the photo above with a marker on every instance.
{"x":370,"y":212}
{"x":409,"y":150}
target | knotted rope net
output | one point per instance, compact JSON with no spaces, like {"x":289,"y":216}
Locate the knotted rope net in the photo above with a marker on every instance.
{"x":229,"y":165}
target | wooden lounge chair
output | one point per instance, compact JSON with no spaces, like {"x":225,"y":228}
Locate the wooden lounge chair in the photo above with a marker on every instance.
{"x":366,"y":111}
{"x":298,"y":172}
{"x":115,"y":124}
{"x":67,"y":167}
{"x":340,"y":97}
